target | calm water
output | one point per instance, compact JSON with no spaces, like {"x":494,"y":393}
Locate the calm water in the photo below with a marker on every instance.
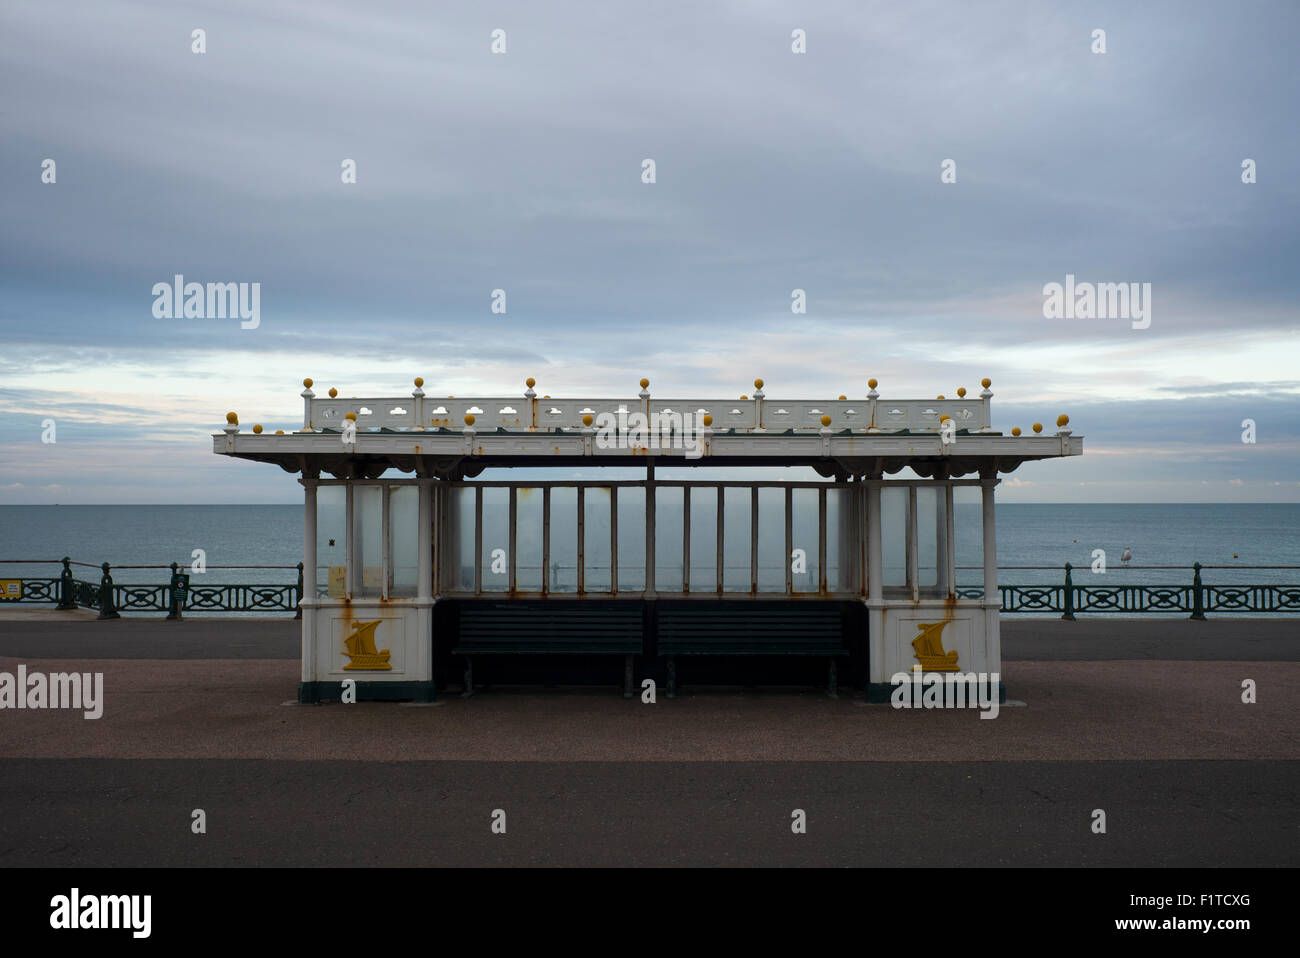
{"x":1175,"y":534}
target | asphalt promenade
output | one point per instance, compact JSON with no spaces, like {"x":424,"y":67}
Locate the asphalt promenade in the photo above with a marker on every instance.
{"x":1140,"y":718}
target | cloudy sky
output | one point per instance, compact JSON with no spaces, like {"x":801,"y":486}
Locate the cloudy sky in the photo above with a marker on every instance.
{"x":522,"y":171}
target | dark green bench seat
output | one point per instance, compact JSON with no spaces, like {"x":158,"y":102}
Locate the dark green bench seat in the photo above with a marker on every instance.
{"x":806,"y":628}
{"x":550,"y":627}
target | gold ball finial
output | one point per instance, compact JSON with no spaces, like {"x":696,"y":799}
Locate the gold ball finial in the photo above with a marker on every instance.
{"x":1038,"y":427}
{"x":708,"y":420}
{"x":1062,"y":420}
{"x":744,"y":397}
{"x":826,"y":420}
{"x":1015,"y":430}
{"x":586,"y":419}
{"x":279,"y":432}
{"x":645,"y":383}
{"x":961,"y":392}
{"x":352,"y":416}
{"x":872,"y":384}
{"x":469,"y":419}
{"x":419,"y":381}
{"x":307,"y":383}
{"x":530,"y":382}
{"x":758,"y":384}
{"x":986,"y":382}
{"x":333,"y":392}
{"x":232,"y":418}
{"x":258,"y":429}
{"x":844,"y":397}
{"x":938,"y":397}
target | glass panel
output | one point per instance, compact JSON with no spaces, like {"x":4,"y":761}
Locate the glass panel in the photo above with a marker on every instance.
{"x":838,"y":557}
{"x":771,"y":540}
{"x":367,"y":541}
{"x":704,"y":540}
{"x":496,"y":539}
{"x":528,"y":540}
{"x":404,"y":538}
{"x":631,"y":538}
{"x":668,"y":539}
{"x":563,"y":559}
{"x":804,"y":540}
{"x":968,"y":530}
{"x":331,"y":541}
{"x":929,"y":504}
{"x":737,"y":518}
{"x":460,"y":538}
{"x":893,"y":536}
{"x":595,"y":535}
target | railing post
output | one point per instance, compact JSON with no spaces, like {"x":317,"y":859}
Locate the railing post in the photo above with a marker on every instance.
{"x":66,"y":599}
{"x":298,"y":604}
{"x":107,"y":608}
{"x":174,"y":596}
{"x":1198,"y":593}
{"x":1068,"y":604}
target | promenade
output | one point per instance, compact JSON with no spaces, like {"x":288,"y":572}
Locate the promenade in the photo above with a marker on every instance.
{"x":1143,"y":719}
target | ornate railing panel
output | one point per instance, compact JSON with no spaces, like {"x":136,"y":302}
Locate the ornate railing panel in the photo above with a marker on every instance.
{"x":1065,"y":599}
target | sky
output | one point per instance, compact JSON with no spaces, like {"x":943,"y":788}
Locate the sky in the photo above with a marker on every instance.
{"x":523,"y":171}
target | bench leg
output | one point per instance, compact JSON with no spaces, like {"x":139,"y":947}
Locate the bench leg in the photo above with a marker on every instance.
{"x":469,"y":677}
{"x":832,"y":680}
{"x":672,"y":677}
{"x":627,"y":676}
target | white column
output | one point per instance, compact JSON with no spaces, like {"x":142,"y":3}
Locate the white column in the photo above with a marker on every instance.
{"x":992,"y":623}
{"x":875,"y":587}
{"x":949,"y":536}
{"x":309,"y":580}
{"x":309,"y":540}
{"x":990,"y":542}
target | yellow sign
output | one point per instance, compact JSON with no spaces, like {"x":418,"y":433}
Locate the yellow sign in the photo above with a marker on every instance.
{"x":360,"y":648}
{"x":929,"y":648}
{"x":11,"y":589}
{"x":338,"y":583}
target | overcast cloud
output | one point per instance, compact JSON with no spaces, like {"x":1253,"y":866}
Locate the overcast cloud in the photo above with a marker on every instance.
{"x":775,"y":171}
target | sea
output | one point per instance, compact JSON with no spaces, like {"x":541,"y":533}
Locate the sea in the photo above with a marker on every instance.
{"x":1229,"y":540}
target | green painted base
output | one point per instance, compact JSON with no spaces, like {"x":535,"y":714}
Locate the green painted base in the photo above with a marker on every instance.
{"x":879,"y":693}
{"x":310,"y":693}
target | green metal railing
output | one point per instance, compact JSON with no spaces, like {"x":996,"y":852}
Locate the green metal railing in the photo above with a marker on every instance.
{"x":176,"y":597}
{"x":1196,"y":597}
{"x":179,"y":595}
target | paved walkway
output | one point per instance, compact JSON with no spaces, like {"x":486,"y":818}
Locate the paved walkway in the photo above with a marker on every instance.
{"x":1142,"y":718}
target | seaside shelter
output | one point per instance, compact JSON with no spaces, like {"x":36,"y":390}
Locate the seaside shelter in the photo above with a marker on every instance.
{"x":424,"y":567}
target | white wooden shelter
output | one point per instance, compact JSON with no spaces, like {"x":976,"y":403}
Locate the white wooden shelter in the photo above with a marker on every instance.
{"x":397,"y":525}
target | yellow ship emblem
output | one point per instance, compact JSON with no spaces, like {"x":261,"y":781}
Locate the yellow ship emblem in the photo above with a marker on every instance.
{"x":361,"y":649}
{"x":929,"y":648}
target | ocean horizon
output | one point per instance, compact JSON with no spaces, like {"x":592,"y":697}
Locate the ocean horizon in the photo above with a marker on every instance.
{"x":1029,"y":534}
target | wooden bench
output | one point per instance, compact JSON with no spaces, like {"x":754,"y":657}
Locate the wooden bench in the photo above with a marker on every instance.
{"x":751,"y":628}
{"x":550,"y":627}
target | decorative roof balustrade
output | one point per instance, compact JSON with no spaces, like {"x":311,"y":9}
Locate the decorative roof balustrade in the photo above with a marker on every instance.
{"x":360,"y":437}
{"x":755,"y":413}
